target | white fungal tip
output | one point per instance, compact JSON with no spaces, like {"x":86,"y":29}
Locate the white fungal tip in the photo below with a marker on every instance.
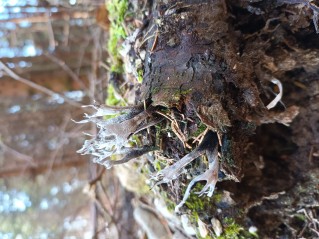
{"x":277,"y":99}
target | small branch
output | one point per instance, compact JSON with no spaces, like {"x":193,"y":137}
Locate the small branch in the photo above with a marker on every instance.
{"x":66,"y":68}
{"x":34,"y":85}
{"x":61,"y":139}
{"x":17,"y":154}
{"x":50,"y":32}
{"x":98,"y":177}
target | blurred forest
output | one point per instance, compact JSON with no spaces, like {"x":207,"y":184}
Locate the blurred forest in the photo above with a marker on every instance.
{"x":51,"y":55}
{"x":58,"y":55}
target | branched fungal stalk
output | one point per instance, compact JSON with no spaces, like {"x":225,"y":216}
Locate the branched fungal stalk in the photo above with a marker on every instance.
{"x":209,"y":146}
{"x":115,"y":133}
{"x":211,"y":175}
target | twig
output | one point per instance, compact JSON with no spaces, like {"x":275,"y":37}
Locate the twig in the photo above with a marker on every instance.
{"x":81,"y":54}
{"x":50,"y":31}
{"x":18,"y":154}
{"x":35,"y":86}
{"x":66,"y":30}
{"x":176,"y":129}
{"x":66,"y":69}
{"x":154,"y":42}
{"x":101,"y":63}
{"x":61,"y":139}
{"x":108,"y":204}
{"x":98,"y":177}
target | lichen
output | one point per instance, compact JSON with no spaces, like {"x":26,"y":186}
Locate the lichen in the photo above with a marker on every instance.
{"x":115,"y":133}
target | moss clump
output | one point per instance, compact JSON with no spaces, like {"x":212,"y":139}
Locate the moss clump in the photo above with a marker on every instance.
{"x":112,"y":99}
{"x":217,"y":197}
{"x":233,"y":230}
{"x":168,"y":202}
{"x":200,"y":207}
{"x":300,"y":217}
{"x":179,"y":93}
{"x":140,"y":76}
{"x":200,"y":129}
{"x":117,"y":10}
{"x":199,"y":204}
{"x":159,"y":164}
{"x":185,"y":92}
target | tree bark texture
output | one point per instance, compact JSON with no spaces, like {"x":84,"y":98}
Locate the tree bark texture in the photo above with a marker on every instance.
{"x":196,"y":66}
{"x":215,"y":60}
{"x":246,"y":70}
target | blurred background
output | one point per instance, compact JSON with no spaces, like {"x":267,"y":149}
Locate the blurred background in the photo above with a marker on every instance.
{"x":52,"y":61}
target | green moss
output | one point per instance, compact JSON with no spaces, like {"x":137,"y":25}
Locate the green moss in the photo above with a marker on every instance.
{"x":169,"y":203}
{"x":300,"y":217}
{"x":140,"y":75}
{"x":117,"y":10}
{"x":136,"y":141}
{"x":198,"y":204}
{"x":231,"y":229}
{"x":185,"y":92}
{"x":112,"y":99}
{"x":200,"y":129}
{"x":157,"y":165}
{"x":207,"y":237}
{"x":177,"y":94}
{"x":217,"y":197}
{"x":194,"y":217}
{"x":202,"y":205}
{"x":194,"y":220}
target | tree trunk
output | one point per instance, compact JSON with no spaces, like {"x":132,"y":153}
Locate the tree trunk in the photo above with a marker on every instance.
{"x":223,"y":80}
{"x":215,"y":61}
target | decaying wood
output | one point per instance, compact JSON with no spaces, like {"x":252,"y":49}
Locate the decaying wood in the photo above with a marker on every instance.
{"x":209,"y":62}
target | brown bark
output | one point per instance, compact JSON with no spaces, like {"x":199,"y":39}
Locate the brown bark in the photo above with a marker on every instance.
{"x":214,"y":61}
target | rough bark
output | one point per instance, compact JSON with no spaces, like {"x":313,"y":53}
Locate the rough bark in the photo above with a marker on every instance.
{"x":221,"y":64}
{"x":214,"y":60}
